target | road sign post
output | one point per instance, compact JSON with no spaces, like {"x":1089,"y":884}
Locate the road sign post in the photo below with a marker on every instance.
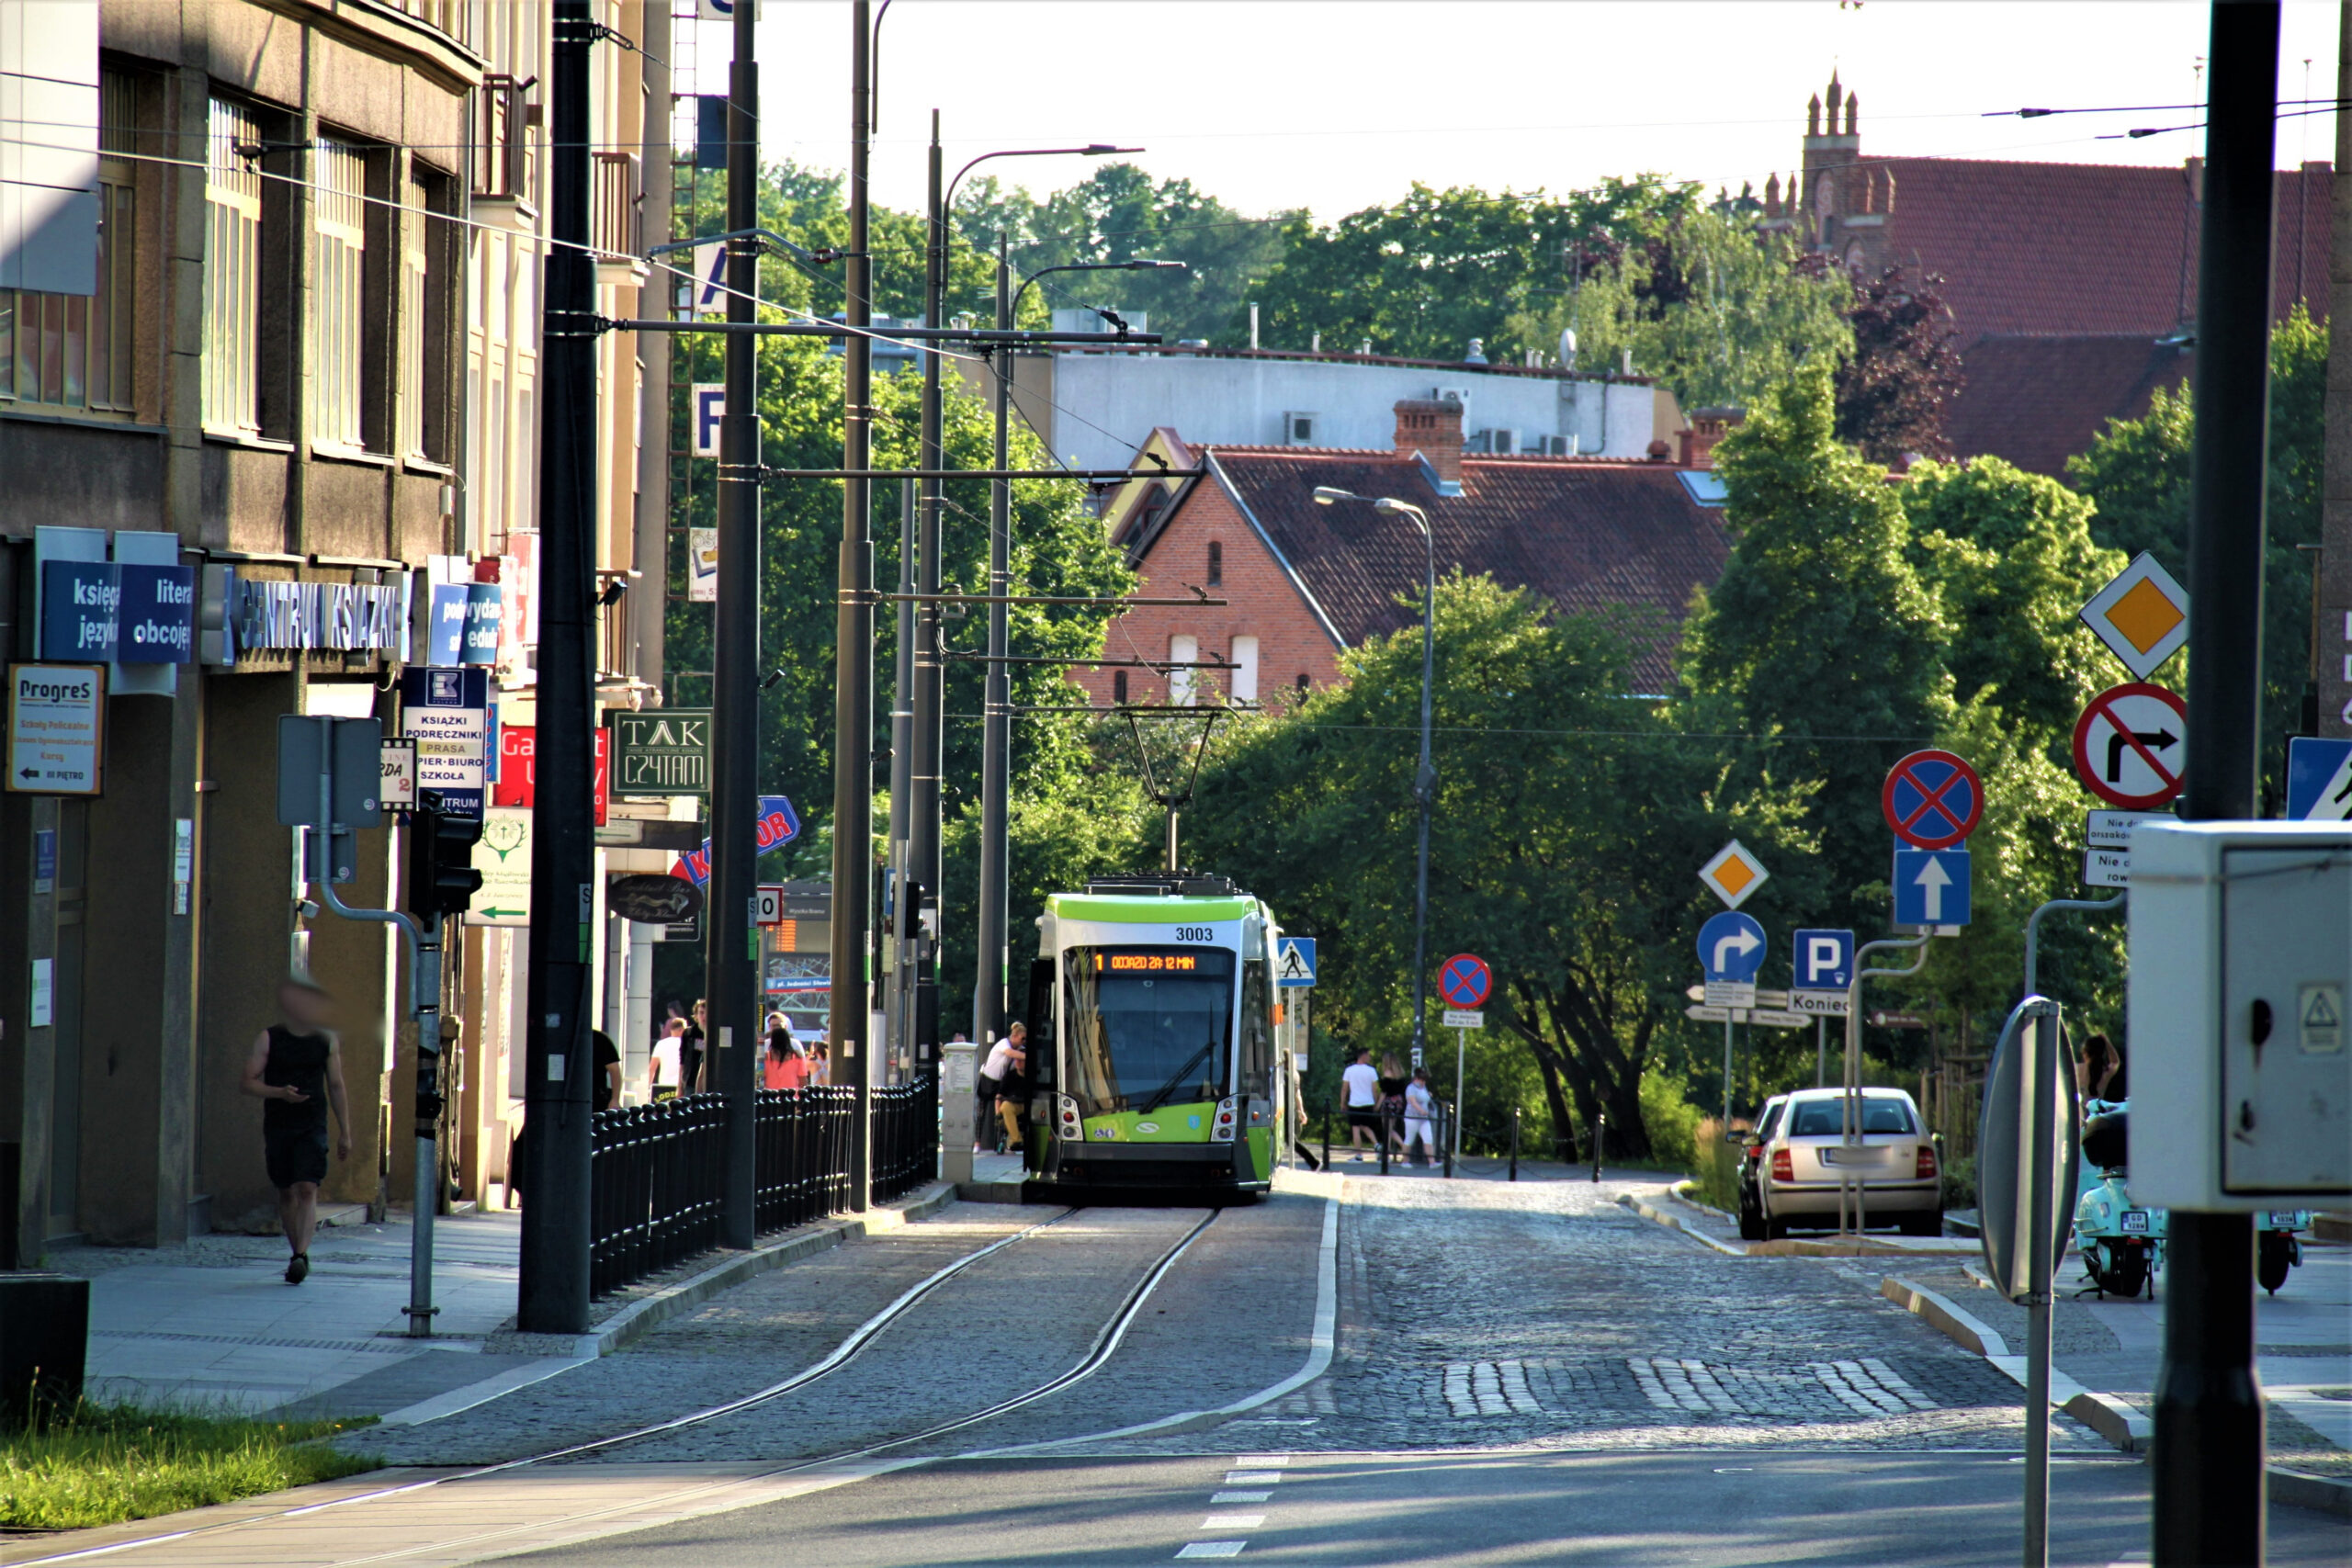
{"x":1465,"y":983}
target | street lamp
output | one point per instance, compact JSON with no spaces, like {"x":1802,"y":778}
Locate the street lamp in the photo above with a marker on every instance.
{"x":1425,"y":780}
{"x":993,"y":962}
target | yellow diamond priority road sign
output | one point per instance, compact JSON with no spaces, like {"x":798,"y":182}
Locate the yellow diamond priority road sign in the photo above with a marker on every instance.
{"x":1733,"y":875}
{"x":2142,"y":616}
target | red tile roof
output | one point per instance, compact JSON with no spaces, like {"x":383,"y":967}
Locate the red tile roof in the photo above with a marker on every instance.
{"x":2036,"y":400}
{"x":1583,"y":534}
{"x":2077,"y":248}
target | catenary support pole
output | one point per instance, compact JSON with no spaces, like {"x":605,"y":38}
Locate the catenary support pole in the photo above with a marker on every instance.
{"x":990,"y":979}
{"x":925,"y":803}
{"x":1424,"y":787}
{"x":2208,"y":1461}
{"x":899,"y":1023}
{"x":558,"y":1064}
{"x":847,"y":1005}
{"x":730,"y":963}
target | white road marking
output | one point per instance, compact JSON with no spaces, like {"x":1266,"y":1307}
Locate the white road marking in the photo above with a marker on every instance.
{"x":1262,"y":1462}
{"x":1233,"y":1521}
{"x":1252,"y":1477}
{"x":1213,"y":1548}
{"x":1240,"y":1497}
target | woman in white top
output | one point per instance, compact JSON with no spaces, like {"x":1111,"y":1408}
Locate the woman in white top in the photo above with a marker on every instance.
{"x":1420,"y":1108}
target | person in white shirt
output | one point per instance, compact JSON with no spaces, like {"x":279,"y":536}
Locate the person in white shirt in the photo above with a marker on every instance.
{"x":1362,"y":1081}
{"x":1420,"y":1108}
{"x":1007,"y":1061}
{"x":662,"y":1070}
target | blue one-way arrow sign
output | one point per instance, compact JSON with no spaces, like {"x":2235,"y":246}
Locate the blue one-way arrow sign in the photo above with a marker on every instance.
{"x":1931,"y":887}
{"x":1731,"y":948}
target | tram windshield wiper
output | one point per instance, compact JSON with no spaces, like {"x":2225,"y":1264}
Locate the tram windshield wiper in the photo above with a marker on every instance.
{"x":1159,"y":1095}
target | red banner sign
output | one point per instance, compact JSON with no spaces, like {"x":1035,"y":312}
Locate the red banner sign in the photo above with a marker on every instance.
{"x":518,"y":769}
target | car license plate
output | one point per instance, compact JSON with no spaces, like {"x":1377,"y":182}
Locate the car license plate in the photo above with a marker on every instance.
{"x":2135,"y":1222}
{"x":1840,"y":1156}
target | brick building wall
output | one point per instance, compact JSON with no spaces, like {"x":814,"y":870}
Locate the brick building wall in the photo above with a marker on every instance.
{"x":1261,"y":603}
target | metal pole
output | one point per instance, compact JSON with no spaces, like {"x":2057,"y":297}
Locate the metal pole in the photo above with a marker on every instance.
{"x":730,"y":967}
{"x":1821,"y":1052}
{"x":1514,"y":1142}
{"x":897,"y":994}
{"x":2040,"y":1197}
{"x":923,"y":822}
{"x":1424,"y":790}
{"x":2033,"y":931}
{"x":552,"y":1297}
{"x":1726,"y":1125}
{"x":847,"y":1015}
{"x":425,"y":958}
{"x":2208,"y":1462}
{"x":991,"y":961}
{"x":1460,"y":1049}
{"x":1850,"y":1108}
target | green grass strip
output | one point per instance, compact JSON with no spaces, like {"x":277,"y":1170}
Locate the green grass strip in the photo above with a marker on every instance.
{"x":101,"y":1464}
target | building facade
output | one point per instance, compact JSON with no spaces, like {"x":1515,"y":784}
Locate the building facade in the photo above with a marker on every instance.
{"x":299,"y":389}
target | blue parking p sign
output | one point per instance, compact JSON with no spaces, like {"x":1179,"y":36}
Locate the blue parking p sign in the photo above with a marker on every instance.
{"x":1825,"y":960}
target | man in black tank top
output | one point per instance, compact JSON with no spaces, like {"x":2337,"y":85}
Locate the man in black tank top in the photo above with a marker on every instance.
{"x":295,"y":1069}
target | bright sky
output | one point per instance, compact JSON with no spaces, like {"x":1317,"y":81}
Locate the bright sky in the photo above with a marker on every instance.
{"x":1337,"y":104}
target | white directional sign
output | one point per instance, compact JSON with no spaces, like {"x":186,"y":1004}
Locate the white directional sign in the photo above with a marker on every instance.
{"x":1465,"y":1017}
{"x":1811,"y":1004}
{"x":1771,"y":1018}
{"x":57,"y":715}
{"x":503,"y":855}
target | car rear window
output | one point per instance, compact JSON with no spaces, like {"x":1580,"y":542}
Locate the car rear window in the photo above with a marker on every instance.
{"x":1826,"y":1118}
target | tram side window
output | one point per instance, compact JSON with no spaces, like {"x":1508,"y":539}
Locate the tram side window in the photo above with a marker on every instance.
{"x":1257,"y":1030}
{"x":1040,"y":1019}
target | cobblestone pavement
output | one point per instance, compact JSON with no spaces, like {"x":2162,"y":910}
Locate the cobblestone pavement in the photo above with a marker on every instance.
{"x":1543,"y":1314}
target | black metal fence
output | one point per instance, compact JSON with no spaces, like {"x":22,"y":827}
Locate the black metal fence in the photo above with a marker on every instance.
{"x":657,"y":1174}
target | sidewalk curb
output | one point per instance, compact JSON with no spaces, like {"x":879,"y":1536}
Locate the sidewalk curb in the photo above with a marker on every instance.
{"x":1660,"y":1217}
{"x":2123,"y":1425}
{"x":641,"y":1317}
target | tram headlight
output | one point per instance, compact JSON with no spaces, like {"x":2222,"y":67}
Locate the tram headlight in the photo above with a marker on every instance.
{"x":1223,"y":1132}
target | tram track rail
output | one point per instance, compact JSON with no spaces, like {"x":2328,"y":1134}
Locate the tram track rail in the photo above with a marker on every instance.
{"x":1099,"y":1353}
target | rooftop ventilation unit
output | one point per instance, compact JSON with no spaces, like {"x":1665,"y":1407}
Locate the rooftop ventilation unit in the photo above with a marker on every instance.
{"x":1299,"y":428}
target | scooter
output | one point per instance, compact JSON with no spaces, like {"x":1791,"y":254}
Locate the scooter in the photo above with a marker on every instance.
{"x":2276,"y":1250}
{"x":2122,"y":1245}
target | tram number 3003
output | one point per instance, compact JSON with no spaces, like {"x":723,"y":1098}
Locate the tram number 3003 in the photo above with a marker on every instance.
{"x":1196,"y":934}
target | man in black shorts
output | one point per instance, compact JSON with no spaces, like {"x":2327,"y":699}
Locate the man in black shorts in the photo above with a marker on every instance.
{"x":296,"y":1069}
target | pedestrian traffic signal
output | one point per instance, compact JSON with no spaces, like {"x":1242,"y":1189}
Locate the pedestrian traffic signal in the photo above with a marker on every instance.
{"x":441,"y":876}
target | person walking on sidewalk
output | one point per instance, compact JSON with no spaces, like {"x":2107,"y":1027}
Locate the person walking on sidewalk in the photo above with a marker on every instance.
{"x":1420,"y":1110}
{"x":1364,"y":1103}
{"x":296,"y":1070}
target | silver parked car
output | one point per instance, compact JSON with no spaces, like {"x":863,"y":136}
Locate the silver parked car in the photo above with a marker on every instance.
{"x":1806,"y":1160}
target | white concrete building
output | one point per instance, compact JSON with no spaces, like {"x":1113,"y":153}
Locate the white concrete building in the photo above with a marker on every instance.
{"x":1095,"y":407}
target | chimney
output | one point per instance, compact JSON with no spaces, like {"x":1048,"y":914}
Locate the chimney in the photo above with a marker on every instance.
{"x":1432,"y":427}
{"x":1707,"y":427}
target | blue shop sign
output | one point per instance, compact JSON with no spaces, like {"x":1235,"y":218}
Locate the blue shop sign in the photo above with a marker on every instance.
{"x":485,"y":608}
{"x":158,"y":620}
{"x":81,"y":604}
{"x":446,"y":639}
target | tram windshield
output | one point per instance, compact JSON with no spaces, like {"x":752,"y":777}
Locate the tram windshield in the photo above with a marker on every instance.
{"x":1147,"y":1026}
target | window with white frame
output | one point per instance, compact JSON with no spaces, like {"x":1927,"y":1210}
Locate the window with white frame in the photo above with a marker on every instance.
{"x":1183,"y":651}
{"x":232,"y":263}
{"x":338,"y":291}
{"x":1245,"y":670}
{"x":73,"y":351}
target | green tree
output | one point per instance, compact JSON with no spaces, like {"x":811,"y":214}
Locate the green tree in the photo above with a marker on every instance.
{"x":2138,"y":473}
{"x":1568,"y":824}
{"x":1424,"y":275}
{"x":1821,"y":640}
{"x":1716,"y":307}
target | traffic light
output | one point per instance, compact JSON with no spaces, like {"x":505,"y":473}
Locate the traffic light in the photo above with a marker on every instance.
{"x":441,"y":876}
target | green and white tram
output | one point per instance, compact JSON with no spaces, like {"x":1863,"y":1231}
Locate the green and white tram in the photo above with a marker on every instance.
{"x":1157,"y":1054}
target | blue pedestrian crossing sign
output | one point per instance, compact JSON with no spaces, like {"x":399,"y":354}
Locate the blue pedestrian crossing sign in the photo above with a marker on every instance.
{"x":2319,"y":780}
{"x":1824,"y":960}
{"x":1294,"y":961}
{"x":1731,"y":948}
{"x":1931,"y":887}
